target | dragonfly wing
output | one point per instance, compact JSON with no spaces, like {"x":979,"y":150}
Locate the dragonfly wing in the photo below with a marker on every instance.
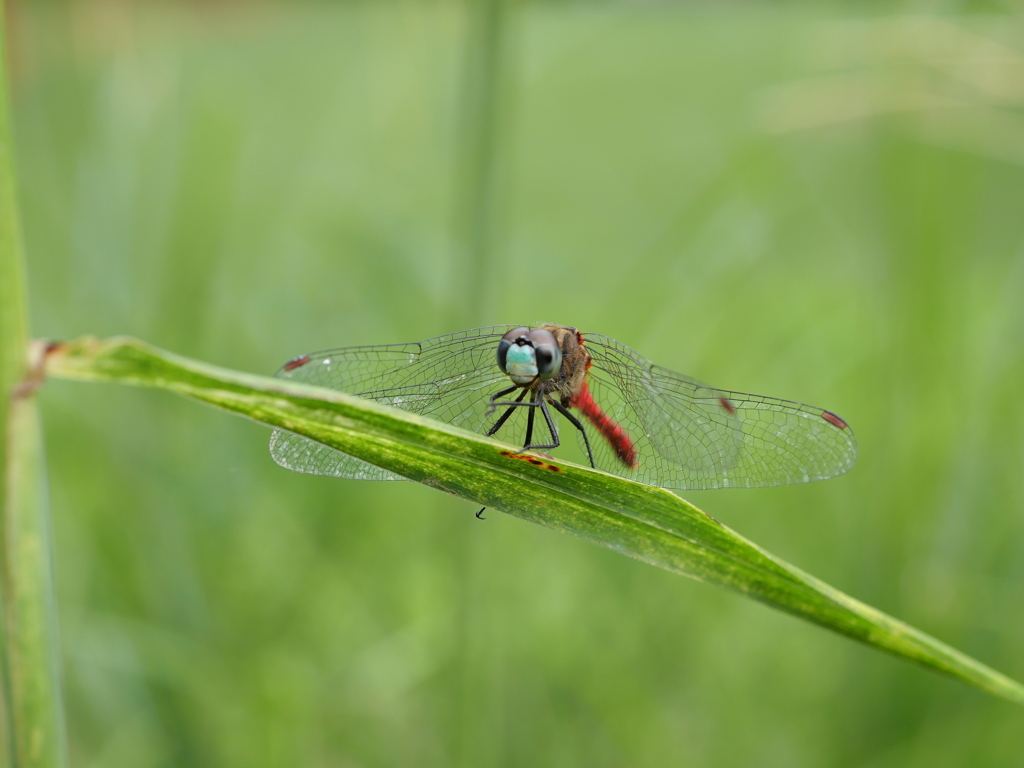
{"x":300,"y":454}
{"x":449,"y":378}
{"x":691,"y":436}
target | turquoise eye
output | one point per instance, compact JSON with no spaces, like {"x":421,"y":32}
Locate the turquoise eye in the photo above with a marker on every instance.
{"x":523,"y":355}
{"x":508,"y":341}
{"x":521,"y":363}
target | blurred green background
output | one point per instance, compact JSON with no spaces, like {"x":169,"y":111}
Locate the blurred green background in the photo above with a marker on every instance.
{"x":815,"y":203}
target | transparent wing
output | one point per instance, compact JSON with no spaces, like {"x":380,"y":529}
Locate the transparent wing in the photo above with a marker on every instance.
{"x":687,"y":435}
{"x":449,"y":378}
{"x":690,"y":436}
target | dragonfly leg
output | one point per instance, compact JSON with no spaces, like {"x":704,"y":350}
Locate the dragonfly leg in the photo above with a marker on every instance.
{"x":536,"y":402}
{"x":539,"y":402}
{"x":511,"y":407}
{"x":503,"y":392}
{"x":576,"y":423}
{"x":529,"y":426}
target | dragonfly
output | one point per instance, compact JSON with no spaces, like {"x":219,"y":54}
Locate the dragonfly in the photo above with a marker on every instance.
{"x":631,"y":417}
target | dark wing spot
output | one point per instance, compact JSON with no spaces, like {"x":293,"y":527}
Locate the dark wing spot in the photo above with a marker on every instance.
{"x":831,"y":418}
{"x":729,"y":407}
{"x":298,"y":362}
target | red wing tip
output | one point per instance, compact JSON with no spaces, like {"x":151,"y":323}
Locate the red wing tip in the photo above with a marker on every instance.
{"x":298,"y":362}
{"x":834,"y":420}
{"x":728,"y":406}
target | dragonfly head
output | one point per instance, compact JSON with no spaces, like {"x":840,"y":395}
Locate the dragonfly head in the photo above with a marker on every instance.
{"x":528,"y":355}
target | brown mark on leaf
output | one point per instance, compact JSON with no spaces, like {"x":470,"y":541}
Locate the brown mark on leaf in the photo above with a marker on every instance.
{"x":531,"y":460}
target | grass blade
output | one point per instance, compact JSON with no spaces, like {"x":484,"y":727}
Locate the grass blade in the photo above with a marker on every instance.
{"x":649,"y":524}
{"x":31,"y":716}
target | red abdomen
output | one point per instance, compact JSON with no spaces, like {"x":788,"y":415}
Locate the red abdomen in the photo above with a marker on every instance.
{"x":612,"y":432}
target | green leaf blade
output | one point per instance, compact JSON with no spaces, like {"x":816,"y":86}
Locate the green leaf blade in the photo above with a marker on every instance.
{"x":646,"y":523}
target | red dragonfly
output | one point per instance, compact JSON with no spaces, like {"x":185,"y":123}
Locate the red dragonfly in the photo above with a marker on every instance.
{"x":651,"y":424}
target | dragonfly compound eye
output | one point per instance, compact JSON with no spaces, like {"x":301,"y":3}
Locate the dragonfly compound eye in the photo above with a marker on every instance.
{"x":506,"y":343}
{"x":521,"y":364}
{"x":549,"y":361}
{"x":547,"y":352}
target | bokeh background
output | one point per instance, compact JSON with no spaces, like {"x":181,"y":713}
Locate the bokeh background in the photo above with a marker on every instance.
{"x":816,"y":202}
